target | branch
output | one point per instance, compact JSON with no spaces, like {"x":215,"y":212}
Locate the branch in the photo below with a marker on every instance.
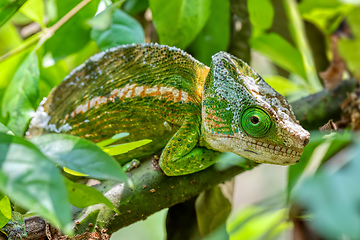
{"x":317,"y":109}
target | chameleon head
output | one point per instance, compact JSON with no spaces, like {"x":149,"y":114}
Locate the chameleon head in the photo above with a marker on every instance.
{"x":242,"y":114}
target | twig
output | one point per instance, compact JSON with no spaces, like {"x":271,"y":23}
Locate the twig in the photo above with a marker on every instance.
{"x":42,"y":36}
{"x":50,"y":31}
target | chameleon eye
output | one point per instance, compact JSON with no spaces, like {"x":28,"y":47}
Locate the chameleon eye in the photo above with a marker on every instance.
{"x":256,"y":122}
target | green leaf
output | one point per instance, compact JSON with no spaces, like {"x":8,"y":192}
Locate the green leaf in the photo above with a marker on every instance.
{"x":122,"y":29}
{"x":295,"y":171}
{"x":78,"y":58}
{"x":320,"y":146}
{"x":9,"y":38}
{"x":133,"y":7}
{"x":256,"y":222}
{"x":353,"y":19}
{"x":332,"y":197}
{"x":350,"y":48}
{"x":10,"y":66}
{"x":112,"y":139}
{"x":28,"y":177}
{"x":326,"y":15}
{"x":75,"y":33}
{"x":22,"y":95}
{"x":8,"y":8}
{"x":297,"y":32}
{"x":34,"y":9}
{"x":179,"y":22}
{"x":212,"y":210}
{"x":280,"y":51}
{"x":227,"y":160}
{"x":261,"y":13}
{"x":75,"y":173}
{"x":350,"y":51}
{"x":82,"y":196}
{"x":79,"y":155}
{"x":125,"y":147}
{"x":4,"y":129}
{"x":282,"y":85}
{"x":51,"y":76}
{"x":215,"y":35}
{"x":5,"y":210}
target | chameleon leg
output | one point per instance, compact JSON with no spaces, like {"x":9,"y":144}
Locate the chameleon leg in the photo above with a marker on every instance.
{"x":181,"y":156}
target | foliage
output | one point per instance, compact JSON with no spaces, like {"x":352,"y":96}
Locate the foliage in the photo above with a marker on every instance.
{"x":42,"y":41}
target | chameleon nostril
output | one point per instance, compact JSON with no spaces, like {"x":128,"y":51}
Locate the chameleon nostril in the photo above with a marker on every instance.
{"x":306,"y":141}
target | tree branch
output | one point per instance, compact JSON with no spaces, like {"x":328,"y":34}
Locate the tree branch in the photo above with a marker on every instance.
{"x":317,"y":109}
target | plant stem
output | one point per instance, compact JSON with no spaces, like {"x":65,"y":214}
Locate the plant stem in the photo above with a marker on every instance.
{"x":42,"y":36}
{"x":297,"y":31}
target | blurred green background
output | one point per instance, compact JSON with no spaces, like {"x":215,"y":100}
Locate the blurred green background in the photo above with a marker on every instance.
{"x":298,"y":47}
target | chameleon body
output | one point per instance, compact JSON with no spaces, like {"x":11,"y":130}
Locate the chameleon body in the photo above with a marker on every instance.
{"x":189,"y":110}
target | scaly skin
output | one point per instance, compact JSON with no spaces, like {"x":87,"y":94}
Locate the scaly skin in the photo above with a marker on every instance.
{"x":162,"y":93}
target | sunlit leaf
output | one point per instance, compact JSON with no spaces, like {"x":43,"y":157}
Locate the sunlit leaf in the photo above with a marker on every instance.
{"x":350,"y":48}
{"x":261,"y":13}
{"x":178,"y":22}
{"x":79,"y":155}
{"x":8,"y":8}
{"x":327,"y":15}
{"x":28,"y":177}
{"x":112,"y":139}
{"x":9,"y":38}
{"x":125,"y":147}
{"x":282,"y":85}
{"x":75,"y":173}
{"x":82,"y":196}
{"x":255,"y":223}
{"x":34,"y":9}
{"x":5,"y":210}
{"x":280,"y":52}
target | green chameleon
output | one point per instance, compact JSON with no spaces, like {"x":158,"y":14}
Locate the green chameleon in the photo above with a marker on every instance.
{"x":189,"y":110}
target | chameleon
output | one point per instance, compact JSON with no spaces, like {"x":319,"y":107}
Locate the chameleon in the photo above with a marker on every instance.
{"x":191,"y":111}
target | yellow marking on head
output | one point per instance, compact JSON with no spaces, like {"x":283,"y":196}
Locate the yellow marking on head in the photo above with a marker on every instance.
{"x":201,"y":74}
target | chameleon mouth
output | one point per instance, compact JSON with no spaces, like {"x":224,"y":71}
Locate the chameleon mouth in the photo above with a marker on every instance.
{"x":273,"y":149}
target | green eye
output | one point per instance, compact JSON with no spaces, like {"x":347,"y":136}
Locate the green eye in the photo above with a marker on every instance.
{"x":256,"y":122}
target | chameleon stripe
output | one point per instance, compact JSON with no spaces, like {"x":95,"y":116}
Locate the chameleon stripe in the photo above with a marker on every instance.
{"x":131,"y":91}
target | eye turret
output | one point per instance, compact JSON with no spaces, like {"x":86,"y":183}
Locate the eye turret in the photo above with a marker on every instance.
{"x":256,"y":122}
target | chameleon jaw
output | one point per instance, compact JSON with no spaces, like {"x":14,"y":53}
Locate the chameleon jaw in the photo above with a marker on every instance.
{"x":270,"y":153}
{"x":255,"y":150}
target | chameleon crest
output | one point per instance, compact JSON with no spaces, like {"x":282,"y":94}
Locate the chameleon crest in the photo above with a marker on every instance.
{"x":189,"y":110}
